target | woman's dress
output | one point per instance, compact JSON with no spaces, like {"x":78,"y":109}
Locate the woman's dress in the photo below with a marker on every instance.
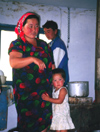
{"x":29,"y":83}
{"x":61,"y":113}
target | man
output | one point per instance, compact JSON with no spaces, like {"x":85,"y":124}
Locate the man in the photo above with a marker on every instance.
{"x":58,"y":47}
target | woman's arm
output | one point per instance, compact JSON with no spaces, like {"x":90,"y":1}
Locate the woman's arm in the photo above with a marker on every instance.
{"x":59,"y":100}
{"x":16,"y":61}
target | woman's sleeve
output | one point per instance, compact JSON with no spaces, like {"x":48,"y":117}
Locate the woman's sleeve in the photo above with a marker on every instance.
{"x":15,"y":46}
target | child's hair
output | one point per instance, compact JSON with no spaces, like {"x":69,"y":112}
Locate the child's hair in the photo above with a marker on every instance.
{"x":50,"y":24}
{"x":59,"y":71}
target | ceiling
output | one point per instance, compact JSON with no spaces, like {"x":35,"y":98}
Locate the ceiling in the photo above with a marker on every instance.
{"x":88,"y":4}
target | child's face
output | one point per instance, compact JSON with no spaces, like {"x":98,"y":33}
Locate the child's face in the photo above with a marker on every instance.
{"x":50,"y":33}
{"x":58,"y":81}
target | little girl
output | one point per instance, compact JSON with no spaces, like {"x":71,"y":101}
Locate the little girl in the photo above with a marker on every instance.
{"x":61,"y":121}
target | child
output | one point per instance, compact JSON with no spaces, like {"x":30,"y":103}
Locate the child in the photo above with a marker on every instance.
{"x":61,"y":121}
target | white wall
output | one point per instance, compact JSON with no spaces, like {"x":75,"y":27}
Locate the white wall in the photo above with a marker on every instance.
{"x":81,"y":49}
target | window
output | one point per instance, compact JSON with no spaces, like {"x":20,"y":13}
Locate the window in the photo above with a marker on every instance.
{"x":42,"y":36}
{"x":7,"y":35}
{"x":6,"y":38}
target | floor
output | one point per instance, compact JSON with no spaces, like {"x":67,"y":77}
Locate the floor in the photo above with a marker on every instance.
{"x":12,"y":120}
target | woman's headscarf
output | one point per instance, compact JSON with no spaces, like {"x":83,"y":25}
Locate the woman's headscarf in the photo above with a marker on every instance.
{"x":18,"y":28}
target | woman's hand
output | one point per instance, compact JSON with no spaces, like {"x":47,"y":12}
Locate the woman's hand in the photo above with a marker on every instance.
{"x":40,"y":63}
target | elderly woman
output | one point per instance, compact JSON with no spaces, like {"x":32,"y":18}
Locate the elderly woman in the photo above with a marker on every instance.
{"x":32,"y":63}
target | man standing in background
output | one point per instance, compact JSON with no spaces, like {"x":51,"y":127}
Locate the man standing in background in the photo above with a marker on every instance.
{"x":58,"y":47}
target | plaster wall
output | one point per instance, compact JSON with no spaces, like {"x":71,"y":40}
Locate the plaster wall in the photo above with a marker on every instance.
{"x":81,"y":47}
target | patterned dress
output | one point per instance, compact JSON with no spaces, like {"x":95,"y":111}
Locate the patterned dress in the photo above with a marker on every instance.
{"x":61,"y":114}
{"x":29,"y":83}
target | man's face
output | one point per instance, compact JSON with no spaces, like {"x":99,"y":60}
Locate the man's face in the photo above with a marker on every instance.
{"x":50,"y":33}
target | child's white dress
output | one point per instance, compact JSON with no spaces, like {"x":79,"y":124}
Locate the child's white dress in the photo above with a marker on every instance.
{"x":61,"y":113}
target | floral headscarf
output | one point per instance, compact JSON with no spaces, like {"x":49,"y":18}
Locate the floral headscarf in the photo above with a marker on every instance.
{"x":18,"y":28}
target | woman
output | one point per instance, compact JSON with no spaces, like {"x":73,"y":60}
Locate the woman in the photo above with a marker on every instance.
{"x":32,"y":63}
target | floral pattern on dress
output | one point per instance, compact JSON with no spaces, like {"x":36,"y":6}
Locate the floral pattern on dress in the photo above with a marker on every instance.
{"x":29,"y":83}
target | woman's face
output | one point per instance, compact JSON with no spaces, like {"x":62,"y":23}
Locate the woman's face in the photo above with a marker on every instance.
{"x":31,"y":28}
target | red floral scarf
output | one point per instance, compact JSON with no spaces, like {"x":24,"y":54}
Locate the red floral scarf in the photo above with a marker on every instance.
{"x":18,"y":28}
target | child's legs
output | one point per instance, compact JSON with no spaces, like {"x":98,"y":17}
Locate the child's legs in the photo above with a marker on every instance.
{"x":61,"y":130}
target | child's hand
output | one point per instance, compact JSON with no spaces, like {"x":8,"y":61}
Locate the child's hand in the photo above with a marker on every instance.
{"x":45,"y":96}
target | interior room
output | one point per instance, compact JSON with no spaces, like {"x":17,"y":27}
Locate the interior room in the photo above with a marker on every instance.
{"x":77,"y":24}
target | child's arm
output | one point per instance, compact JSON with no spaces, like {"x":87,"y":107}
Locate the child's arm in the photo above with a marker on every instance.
{"x":59,"y":100}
